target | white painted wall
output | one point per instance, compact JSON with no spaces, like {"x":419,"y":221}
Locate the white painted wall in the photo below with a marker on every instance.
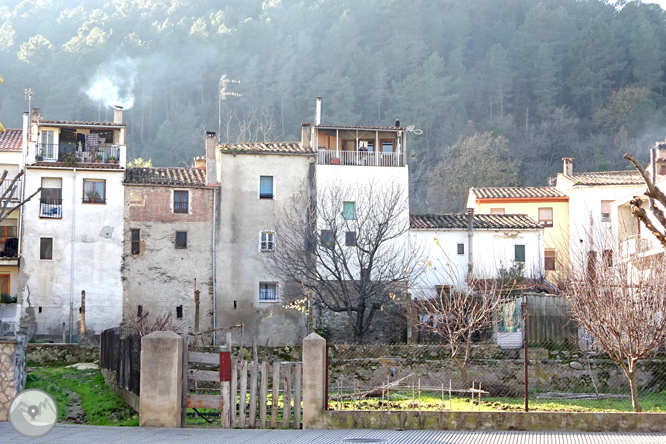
{"x":492,"y":250}
{"x":83,"y":257}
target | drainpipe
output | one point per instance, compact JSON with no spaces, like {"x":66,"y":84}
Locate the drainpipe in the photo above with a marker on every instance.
{"x":470,"y":231}
{"x":653,"y":161}
{"x":71,"y":277}
{"x":215,"y":195}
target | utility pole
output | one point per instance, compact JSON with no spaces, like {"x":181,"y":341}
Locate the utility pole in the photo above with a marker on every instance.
{"x":223,"y":94}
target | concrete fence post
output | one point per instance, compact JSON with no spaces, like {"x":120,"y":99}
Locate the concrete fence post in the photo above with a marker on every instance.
{"x":161,"y":380}
{"x":314,"y":379}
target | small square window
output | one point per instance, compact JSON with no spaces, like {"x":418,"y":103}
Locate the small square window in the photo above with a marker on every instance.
{"x":136,"y":241}
{"x":268,"y":291}
{"x":94,"y":191}
{"x":461,"y":248}
{"x":606,"y":210}
{"x":265,"y":187}
{"x":546,"y":217}
{"x":519,"y":253}
{"x":181,"y":239}
{"x":46,"y":248}
{"x":549,"y":260}
{"x":497,"y":211}
{"x":608,"y":257}
{"x":327,"y":239}
{"x":349,"y":210}
{"x":443,"y":290}
{"x":350,"y":238}
{"x":180,"y":202}
{"x":179,"y":312}
{"x":267,"y":241}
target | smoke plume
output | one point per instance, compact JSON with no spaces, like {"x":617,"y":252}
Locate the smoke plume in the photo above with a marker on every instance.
{"x":113,"y":84}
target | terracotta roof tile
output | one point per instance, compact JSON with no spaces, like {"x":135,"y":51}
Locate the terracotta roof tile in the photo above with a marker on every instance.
{"x":10,"y":140}
{"x":516,"y":192}
{"x":176,"y":177}
{"x":459,"y":221}
{"x":266,"y":147}
{"x":74,"y":122}
{"x":607,"y":178}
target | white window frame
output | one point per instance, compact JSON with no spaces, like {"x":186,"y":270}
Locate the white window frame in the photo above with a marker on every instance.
{"x":40,"y":249}
{"x":265,"y":245}
{"x":277,"y":292}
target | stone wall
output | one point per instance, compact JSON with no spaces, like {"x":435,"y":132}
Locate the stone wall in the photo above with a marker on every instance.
{"x":12,"y":370}
{"x":56,"y":354}
{"x":388,"y":326}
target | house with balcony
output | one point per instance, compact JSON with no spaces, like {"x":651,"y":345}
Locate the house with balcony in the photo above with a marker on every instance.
{"x":72,"y":233}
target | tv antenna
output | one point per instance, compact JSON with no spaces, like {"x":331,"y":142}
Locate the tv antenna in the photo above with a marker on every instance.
{"x":28,"y":96}
{"x":223,"y":94}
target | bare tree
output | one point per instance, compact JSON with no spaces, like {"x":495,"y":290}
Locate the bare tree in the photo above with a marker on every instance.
{"x":257,"y":125}
{"x":9,"y":195}
{"x":458,"y":312}
{"x":348,"y":248}
{"x":620,"y":301}
{"x":653,"y":192}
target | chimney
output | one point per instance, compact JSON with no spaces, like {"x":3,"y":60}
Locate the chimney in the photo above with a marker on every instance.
{"x":397,"y":123}
{"x":318,"y":112}
{"x":567,"y":167}
{"x":306,"y":139}
{"x":36,"y":115}
{"x":118,"y":115}
{"x":211,"y":174}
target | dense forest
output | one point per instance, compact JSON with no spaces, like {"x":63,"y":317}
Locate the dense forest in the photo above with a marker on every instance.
{"x":501,"y":90}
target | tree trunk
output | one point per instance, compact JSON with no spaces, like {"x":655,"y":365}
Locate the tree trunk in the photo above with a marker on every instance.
{"x":630,"y":372}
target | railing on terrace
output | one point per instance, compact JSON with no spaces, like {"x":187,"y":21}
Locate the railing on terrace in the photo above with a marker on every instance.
{"x":103,"y":153}
{"x":636,"y":244}
{"x":365,"y":158}
{"x":5,"y":185}
{"x":50,"y":208}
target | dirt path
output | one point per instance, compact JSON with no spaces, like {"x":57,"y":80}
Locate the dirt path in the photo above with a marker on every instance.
{"x":75,"y":414}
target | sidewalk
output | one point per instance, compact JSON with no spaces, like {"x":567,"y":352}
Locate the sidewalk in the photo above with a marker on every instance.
{"x":76,"y":434}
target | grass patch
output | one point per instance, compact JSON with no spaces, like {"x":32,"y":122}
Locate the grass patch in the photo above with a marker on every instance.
{"x":100,"y":405}
{"x":650,"y":402}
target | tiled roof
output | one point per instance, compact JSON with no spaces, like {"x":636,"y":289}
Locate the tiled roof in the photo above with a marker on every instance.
{"x":487,"y":221}
{"x":517,"y":192}
{"x":266,"y":147}
{"x":372,"y":128}
{"x":10,"y":140}
{"x":177,"y":177}
{"x":607,"y":178}
{"x":77,"y":123}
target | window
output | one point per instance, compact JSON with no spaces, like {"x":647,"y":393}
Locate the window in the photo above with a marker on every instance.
{"x":546,"y":217}
{"x":265,"y":187}
{"x":607,"y":256}
{"x":268,"y":291}
{"x":549,"y":260}
{"x":46,"y":248}
{"x":179,"y":312}
{"x":4,"y":284}
{"x":497,"y":211}
{"x":350,"y":238}
{"x":181,"y":239}
{"x":519,"y":253}
{"x":50,"y":203}
{"x":267,"y":241}
{"x":180,"y":201}
{"x":443,"y":290}
{"x":461,"y":248}
{"x":605,"y":210}
{"x":94,"y":191}
{"x":327,"y":238}
{"x":349,"y":210}
{"x":387,"y":146}
{"x":136,"y":241}
{"x":8,"y":238}
{"x":662,"y":169}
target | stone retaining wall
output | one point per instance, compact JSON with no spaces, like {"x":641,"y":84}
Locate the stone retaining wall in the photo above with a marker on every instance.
{"x":528,"y":421}
{"x":12,"y":370}
{"x":56,"y":354}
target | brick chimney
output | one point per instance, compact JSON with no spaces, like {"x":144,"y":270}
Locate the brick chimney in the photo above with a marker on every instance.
{"x":211,"y":174}
{"x":118,"y":115}
{"x":567,"y":166}
{"x":306,"y":138}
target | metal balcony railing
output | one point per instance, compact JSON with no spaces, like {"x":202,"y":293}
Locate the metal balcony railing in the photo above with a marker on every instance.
{"x":53,"y":152}
{"x":365,"y":158}
{"x":50,"y":208}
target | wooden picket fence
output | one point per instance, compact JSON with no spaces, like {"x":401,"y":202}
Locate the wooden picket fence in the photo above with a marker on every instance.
{"x":250,"y":382}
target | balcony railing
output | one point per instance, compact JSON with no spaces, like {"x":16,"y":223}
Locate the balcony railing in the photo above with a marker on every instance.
{"x":53,"y":152}
{"x":50,"y":208}
{"x":637,"y":245}
{"x":365,"y":158}
{"x":3,"y":187}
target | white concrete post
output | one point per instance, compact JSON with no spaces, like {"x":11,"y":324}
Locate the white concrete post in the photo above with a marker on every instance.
{"x":314,"y":379}
{"x":161,"y":380}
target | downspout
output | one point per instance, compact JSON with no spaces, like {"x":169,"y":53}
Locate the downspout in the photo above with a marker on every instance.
{"x":24,"y":154}
{"x":470,"y":238}
{"x":215,"y":195}
{"x":71,"y":278}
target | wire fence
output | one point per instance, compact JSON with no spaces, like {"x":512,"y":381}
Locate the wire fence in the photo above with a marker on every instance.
{"x":62,"y":323}
{"x":560,"y":377}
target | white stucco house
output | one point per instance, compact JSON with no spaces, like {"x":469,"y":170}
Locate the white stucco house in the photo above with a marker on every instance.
{"x":72,"y":233}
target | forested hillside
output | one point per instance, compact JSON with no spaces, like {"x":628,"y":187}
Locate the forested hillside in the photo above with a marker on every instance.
{"x":501,"y":90}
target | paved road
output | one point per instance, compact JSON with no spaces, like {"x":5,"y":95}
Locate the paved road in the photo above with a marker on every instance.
{"x":75,"y":434}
